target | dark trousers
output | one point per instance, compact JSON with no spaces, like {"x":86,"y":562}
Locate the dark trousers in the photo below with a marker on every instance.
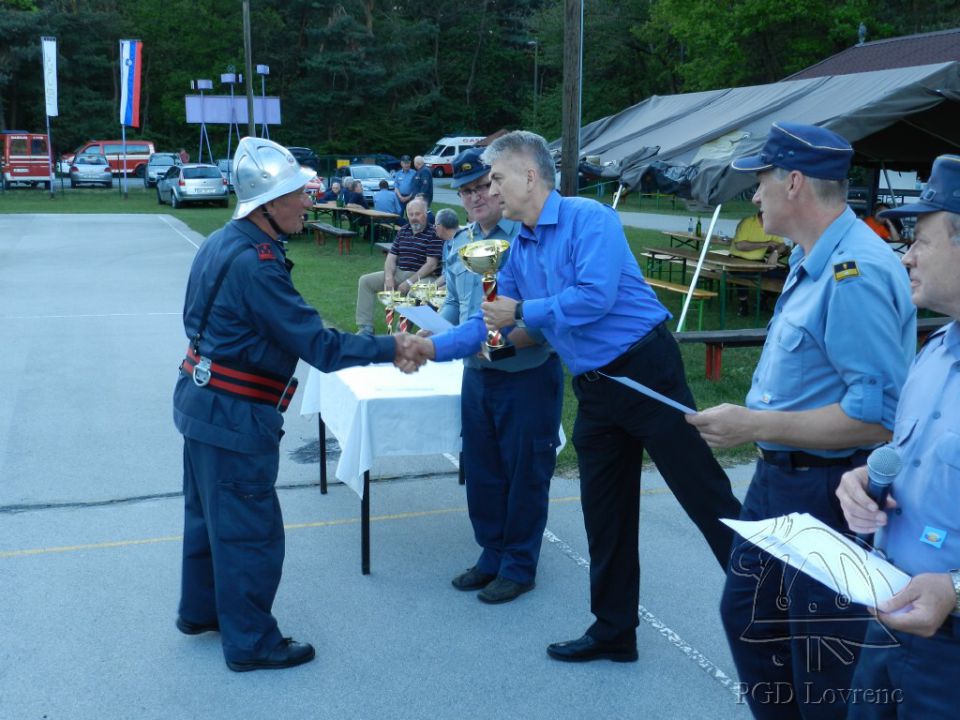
{"x":510,"y":422}
{"x":233,"y":546}
{"x":794,"y":641}
{"x":614,"y":426}
{"x":915,"y":679}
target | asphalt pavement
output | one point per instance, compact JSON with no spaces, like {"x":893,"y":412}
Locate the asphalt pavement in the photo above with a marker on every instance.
{"x":91,"y":518}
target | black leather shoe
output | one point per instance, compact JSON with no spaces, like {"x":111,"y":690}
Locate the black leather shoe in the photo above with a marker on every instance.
{"x":289,"y":653}
{"x":191,"y":628}
{"x":472,"y":579}
{"x":586,"y":648}
{"x":503,"y":590}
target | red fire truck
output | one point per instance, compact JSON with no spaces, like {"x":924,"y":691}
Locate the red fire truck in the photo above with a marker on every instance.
{"x":25,"y":158}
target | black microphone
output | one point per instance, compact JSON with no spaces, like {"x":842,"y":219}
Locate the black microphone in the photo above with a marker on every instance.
{"x":883,"y":465}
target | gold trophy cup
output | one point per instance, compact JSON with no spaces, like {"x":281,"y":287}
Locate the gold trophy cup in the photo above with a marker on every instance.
{"x":388,"y":299}
{"x":484,"y":258}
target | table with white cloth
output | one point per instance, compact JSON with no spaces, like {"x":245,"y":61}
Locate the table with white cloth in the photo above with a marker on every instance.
{"x":377,"y":411}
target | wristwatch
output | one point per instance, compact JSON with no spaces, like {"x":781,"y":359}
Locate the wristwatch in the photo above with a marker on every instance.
{"x":518,"y":316}
{"x":955,"y":578}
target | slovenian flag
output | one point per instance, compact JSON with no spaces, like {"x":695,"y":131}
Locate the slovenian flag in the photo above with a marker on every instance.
{"x":131,"y":52}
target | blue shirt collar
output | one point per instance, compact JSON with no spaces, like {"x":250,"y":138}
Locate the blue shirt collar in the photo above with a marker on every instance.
{"x":951,"y":338}
{"x":549,"y":215}
{"x":825,"y":246}
{"x":507,"y":228}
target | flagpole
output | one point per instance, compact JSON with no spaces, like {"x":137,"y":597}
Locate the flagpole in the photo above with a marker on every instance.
{"x":123,"y":135}
{"x":50,"y":157}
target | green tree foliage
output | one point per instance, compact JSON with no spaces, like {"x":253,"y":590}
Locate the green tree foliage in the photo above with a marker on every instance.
{"x":393,"y":75}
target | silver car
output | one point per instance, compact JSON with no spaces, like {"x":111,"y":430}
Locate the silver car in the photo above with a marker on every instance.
{"x":157,"y":165}
{"x":90,"y":170}
{"x":192,"y":183}
{"x":370,"y":177}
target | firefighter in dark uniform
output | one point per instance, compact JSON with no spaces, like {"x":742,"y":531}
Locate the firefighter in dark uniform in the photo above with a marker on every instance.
{"x":247,"y":325}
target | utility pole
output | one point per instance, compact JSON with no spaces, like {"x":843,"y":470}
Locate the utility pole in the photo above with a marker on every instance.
{"x":248,"y":53}
{"x":572,"y":83}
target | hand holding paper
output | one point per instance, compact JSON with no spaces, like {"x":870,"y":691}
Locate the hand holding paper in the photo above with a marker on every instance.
{"x":803,"y":542}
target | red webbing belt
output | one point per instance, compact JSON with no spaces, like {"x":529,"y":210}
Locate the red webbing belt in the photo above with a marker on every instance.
{"x":256,"y":387}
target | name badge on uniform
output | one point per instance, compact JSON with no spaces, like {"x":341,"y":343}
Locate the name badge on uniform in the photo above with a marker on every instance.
{"x":845,"y":270}
{"x":933,"y":536}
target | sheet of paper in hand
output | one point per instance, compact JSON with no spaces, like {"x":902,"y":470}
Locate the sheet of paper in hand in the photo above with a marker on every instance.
{"x":803,"y":542}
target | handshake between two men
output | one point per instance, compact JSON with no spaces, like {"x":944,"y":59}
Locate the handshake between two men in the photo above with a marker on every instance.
{"x":414,"y":350}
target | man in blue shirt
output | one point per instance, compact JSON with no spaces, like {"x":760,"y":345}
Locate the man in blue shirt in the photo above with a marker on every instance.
{"x":576,"y":281}
{"x":824,"y":392}
{"x":403,"y":182}
{"x":916,"y":678}
{"x":385,"y":199}
{"x":247,"y":326}
{"x":510,"y":410}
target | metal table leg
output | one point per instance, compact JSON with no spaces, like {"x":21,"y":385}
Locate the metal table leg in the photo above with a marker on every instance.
{"x":365,"y":526}
{"x":323,"y":455}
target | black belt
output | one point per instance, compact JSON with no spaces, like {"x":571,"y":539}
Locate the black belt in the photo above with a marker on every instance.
{"x":795,"y":459}
{"x":614,"y":365}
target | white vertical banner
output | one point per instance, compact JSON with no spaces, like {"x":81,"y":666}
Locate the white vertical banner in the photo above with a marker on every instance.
{"x":50,"y":74}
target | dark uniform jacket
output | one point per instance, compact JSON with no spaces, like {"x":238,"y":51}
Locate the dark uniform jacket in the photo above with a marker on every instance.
{"x":259,"y":321}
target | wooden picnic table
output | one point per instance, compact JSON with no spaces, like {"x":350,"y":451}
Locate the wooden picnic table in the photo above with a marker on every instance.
{"x":376,"y":217}
{"x":679,"y":238}
{"x":717,"y":263}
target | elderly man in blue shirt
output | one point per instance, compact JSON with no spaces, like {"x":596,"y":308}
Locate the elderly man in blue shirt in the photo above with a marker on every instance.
{"x":824,"y":393}
{"x":916,"y":678}
{"x":572,"y":276}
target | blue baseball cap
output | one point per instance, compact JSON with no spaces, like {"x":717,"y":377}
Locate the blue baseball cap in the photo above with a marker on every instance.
{"x":814,"y":151}
{"x":942,"y":191}
{"x":467,"y":167}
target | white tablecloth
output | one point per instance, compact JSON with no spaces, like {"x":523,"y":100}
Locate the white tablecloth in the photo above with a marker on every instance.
{"x":377,"y":411}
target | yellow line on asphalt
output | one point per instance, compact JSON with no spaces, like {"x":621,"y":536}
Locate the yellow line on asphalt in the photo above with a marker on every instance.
{"x":294,"y":526}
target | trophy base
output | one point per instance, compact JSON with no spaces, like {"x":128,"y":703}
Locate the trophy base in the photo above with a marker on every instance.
{"x":502,"y":352}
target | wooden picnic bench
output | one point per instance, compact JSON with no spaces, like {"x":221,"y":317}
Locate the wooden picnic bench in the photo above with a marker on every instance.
{"x":699,"y":295}
{"x":716,"y":340}
{"x":321,"y":230}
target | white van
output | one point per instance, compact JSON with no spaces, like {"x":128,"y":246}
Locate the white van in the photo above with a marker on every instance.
{"x":440,"y":158}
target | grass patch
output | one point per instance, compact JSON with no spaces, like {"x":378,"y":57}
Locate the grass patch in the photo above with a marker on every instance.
{"x":329,"y":282}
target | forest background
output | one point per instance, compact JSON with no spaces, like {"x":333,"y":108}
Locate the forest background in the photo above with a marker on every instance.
{"x":394,"y":75}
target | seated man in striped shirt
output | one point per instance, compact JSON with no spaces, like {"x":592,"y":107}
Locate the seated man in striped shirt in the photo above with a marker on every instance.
{"x":415,"y":253}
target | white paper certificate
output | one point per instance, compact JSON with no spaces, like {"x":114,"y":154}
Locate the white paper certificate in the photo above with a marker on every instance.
{"x":426,"y":317}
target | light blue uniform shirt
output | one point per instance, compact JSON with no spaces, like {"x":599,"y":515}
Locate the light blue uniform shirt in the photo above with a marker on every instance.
{"x":403,"y":180}
{"x":465,"y":293}
{"x":924,"y":534}
{"x":844,"y":331}
{"x":580,"y":285}
{"x":386,"y":201}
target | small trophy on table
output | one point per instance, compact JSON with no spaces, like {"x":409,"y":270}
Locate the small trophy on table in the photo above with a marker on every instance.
{"x":484,"y":257}
{"x":389,"y":298}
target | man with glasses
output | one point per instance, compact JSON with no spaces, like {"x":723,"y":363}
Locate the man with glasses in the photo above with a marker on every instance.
{"x":510,"y":411}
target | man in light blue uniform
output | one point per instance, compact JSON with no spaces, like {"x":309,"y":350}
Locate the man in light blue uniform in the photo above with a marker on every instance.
{"x":510,"y":410}
{"x":247,"y":325}
{"x":824,"y":393}
{"x":917,"y":678}
{"x":403,"y":182}
{"x":572,"y":276}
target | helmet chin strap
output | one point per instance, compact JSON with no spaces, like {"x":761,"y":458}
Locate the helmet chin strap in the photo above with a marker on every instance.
{"x":269,"y":218}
